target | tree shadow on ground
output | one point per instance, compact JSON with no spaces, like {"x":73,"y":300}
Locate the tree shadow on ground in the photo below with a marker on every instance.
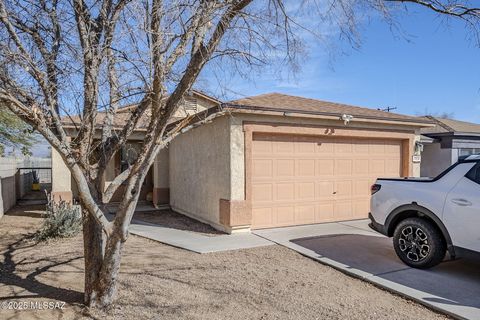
{"x":10,"y":276}
{"x":37,"y":211}
{"x":450,"y":283}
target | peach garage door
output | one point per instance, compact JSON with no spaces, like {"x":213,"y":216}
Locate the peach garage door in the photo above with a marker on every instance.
{"x":307,"y":179}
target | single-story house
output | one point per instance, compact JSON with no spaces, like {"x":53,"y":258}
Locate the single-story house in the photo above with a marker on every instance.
{"x":276,"y":160}
{"x":155,"y":188}
{"x":445,"y":142}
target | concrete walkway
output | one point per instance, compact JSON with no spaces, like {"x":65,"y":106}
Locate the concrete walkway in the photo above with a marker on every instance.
{"x":352,"y":247}
{"x":196,"y":242}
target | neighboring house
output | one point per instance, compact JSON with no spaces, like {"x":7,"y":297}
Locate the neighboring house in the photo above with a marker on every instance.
{"x":277,"y":160}
{"x":445,"y":142}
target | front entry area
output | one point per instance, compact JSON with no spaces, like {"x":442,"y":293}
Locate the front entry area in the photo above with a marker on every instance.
{"x":300,"y":179}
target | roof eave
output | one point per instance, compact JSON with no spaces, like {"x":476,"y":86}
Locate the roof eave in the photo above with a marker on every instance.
{"x":326,"y":115}
{"x":456,"y":133}
{"x":426,"y":139}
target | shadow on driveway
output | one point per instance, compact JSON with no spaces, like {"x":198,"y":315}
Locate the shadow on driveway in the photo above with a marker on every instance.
{"x":452,"y":282}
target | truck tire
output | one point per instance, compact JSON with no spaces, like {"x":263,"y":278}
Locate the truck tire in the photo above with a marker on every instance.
{"x":418,"y":243}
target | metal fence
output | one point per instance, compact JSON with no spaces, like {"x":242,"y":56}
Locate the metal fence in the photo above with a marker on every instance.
{"x":16,"y":178}
{"x":27,"y":176}
{"x":9,"y":166}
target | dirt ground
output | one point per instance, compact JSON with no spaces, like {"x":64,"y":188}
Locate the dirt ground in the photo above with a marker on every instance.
{"x":161,"y":282}
{"x":178,"y":221}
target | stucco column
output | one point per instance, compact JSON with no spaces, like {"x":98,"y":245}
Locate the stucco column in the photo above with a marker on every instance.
{"x":236,"y":212}
{"x":416,"y":165}
{"x":161,"y":188}
{"x":61,"y":179}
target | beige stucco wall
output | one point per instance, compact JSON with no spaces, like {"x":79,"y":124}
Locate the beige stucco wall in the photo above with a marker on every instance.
{"x":435,"y":159}
{"x":161,"y":169}
{"x":200,"y":170}
{"x":416,"y":166}
{"x":61,"y":177}
{"x":110,"y":172}
{"x":237,"y":158}
{"x":63,"y":182}
{"x":207,"y":164}
{"x":8,"y":195}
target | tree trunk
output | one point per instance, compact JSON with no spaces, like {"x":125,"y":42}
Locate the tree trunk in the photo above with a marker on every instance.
{"x":107,"y":281}
{"x":102,"y":263}
{"x":93,"y":247}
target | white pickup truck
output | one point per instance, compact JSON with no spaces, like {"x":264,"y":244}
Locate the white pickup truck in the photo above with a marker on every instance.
{"x":428,"y":216}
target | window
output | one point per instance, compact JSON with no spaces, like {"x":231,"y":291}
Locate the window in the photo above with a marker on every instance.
{"x":129,"y":155}
{"x":468,"y":151}
{"x":474,"y":173}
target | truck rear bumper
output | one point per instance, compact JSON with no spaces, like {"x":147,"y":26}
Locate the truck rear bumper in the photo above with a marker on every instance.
{"x":374,"y":225}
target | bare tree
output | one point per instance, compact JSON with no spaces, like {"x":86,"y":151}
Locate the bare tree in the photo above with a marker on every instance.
{"x":67,"y":58}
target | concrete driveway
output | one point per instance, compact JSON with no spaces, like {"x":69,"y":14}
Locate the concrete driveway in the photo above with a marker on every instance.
{"x":453,"y":287}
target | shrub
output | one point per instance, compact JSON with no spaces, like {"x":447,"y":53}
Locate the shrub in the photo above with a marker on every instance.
{"x":63,"y":220}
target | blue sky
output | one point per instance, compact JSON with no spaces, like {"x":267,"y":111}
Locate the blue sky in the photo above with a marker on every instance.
{"x":435,"y":69}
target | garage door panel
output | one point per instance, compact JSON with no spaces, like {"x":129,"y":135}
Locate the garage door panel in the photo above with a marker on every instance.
{"x":304,"y":179}
{"x":376,"y":147}
{"x":325,"y":189}
{"x":324,"y":147}
{"x":343,"y":146}
{"x":361,"y":146}
{"x":362,"y":188}
{"x":304,"y":146}
{"x":324,"y":211}
{"x":343,"y":210}
{"x":305,"y":191}
{"x":262,"y":217}
{"x":285,"y":167}
{"x":392,"y":148}
{"x":377,"y":166}
{"x":284,"y":147}
{"x":360,"y":166}
{"x":325,"y":167}
{"x":392,"y":166}
{"x":305,"y":167}
{"x":285,"y":215}
{"x":343,"y":167}
{"x":285,"y":191}
{"x":262,"y":192}
{"x":262,"y":146}
{"x":262,"y":168}
{"x":343,"y":189}
{"x":305,"y":214}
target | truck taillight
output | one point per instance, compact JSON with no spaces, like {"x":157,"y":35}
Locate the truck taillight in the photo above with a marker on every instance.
{"x":375,"y":188}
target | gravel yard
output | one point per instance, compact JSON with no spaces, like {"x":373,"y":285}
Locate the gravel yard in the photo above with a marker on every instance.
{"x":174,"y":220}
{"x":161,"y":282}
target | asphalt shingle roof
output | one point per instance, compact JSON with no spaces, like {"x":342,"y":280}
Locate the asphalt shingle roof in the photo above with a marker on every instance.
{"x":450,"y":125}
{"x":288,"y":103}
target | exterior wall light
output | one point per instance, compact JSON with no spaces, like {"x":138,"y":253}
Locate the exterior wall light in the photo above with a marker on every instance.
{"x":346,"y":118}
